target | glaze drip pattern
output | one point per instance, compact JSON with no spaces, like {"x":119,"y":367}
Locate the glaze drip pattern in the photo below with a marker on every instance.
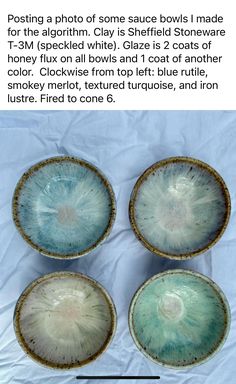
{"x":180,"y":208}
{"x":64,"y":208}
{"x":178,"y":319}
{"x":65,"y":320}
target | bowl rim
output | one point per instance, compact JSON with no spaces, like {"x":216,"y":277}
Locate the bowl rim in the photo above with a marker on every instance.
{"x":25,"y":294}
{"x":41,"y":164}
{"x":143,"y":177}
{"x":218,"y":291}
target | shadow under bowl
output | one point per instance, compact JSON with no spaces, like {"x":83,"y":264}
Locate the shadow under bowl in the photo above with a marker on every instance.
{"x":179,"y":207}
{"x":179,"y":318}
{"x":64,"y":320}
{"x":64,"y":207}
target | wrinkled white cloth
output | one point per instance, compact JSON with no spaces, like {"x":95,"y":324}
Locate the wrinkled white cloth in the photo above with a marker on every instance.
{"x":122,"y":144}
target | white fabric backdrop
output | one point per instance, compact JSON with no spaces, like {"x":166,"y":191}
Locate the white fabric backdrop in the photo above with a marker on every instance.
{"x":122,"y":144}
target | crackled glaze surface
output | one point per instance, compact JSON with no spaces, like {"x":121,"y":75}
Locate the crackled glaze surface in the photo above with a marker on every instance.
{"x":65,"y":320}
{"x":63,"y":207}
{"x":179,"y":318}
{"x":180,"y":207}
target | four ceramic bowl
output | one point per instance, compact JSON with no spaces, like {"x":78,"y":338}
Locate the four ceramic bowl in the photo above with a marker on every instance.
{"x":64,"y":207}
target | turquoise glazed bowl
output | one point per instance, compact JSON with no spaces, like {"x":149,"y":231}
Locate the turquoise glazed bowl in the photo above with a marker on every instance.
{"x":179,"y":207}
{"x":179,"y":318}
{"x":64,"y":207}
{"x":64,"y":320}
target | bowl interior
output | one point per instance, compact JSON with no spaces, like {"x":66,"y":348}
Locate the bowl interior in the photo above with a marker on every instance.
{"x":179,"y":318}
{"x":179,"y":207}
{"x":64,"y":320}
{"x":63,"y":207}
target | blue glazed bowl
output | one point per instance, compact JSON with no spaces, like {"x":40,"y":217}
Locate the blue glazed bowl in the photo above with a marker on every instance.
{"x":179,"y":318}
{"x":64,"y":207}
{"x":179,"y":207}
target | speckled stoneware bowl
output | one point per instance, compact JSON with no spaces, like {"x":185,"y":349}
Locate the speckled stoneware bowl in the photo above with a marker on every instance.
{"x":64,"y":320}
{"x":64,"y":207}
{"x":179,"y":318}
{"x":179,"y":207}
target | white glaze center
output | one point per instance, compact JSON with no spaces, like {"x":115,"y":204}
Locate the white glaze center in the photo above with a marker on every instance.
{"x":173,"y":214}
{"x":62,"y":318}
{"x":66,"y":215}
{"x":171,"y":306}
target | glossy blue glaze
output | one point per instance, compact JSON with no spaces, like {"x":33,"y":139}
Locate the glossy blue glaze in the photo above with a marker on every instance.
{"x":64,"y":208}
{"x":179,"y":319}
